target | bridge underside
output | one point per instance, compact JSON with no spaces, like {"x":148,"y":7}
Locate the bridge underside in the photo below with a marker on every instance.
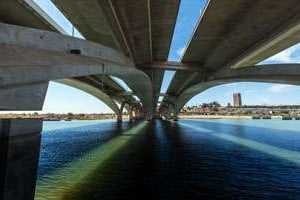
{"x":230,"y":36}
{"x":273,"y":73}
{"x":131,"y":40}
{"x":24,"y":80}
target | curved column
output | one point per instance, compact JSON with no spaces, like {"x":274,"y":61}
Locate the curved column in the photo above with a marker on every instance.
{"x":31,"y":56}
{"x":120,"y":115}
{"x":278,"y":73}
{"x":92,"y":91}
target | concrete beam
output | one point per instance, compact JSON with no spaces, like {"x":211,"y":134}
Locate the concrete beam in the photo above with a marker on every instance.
{"x":168,"y":65}
{"x":30,"y":56}
{"x":142,"y":29}
{"x":23,"y":97}
{"x":40,"y":13}
{"x":280,"y":73}
{"x":26,"y":13}
{"x":150,"y":29}
{"x":92,"y":91}
{"x":125,"y":93}
{"x":286,"y":36}
{"x":275,"y":72}
{"x":162,"y":95}
{"x":119,"y":27}
{"x":244,"y":33}
{"x":44,"y":40}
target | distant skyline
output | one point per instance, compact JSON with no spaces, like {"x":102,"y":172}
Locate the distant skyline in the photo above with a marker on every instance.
{"x":63,"y":99}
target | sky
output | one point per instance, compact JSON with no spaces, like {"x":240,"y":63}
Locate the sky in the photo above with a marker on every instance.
{"x":63,"y":99}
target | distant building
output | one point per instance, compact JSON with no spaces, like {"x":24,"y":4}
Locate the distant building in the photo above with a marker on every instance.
{"x":237,"y":100}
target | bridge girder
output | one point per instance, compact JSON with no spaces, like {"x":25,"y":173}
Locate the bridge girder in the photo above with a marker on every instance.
{"x":96,"y":92}
{"x":273,"y":73}
{"x":31,"y":57}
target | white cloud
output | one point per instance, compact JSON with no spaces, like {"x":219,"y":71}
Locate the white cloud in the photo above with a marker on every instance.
{"x":279,"y":88}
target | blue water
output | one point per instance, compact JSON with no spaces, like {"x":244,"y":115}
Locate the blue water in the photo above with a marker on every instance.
{"x":188,"y":159}
{"x":65,"y":141}
{"x":55,"y":125}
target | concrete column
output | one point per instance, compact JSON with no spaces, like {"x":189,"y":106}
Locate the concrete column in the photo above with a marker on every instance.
{"x":19,"y":155}
{"x":23,"y":97}
{"x":122,"y":107}
{"x":149,"y":116}
{"x":119,"y":117}
{"x":175,"y":118}
{"x":130,"y":116}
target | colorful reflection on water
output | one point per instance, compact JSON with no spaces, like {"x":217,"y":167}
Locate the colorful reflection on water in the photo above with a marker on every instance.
{"x":188,"y":159}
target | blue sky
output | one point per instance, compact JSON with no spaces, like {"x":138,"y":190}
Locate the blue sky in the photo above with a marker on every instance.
{"x":59,"y":96}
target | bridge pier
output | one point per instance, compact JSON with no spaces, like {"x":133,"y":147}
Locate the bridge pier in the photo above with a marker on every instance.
{"x":175,"y":118}
{"x":19,"y":155}
{"x":119,"y":118}
{"x":130,"y":116}
{"x":23,"y":97}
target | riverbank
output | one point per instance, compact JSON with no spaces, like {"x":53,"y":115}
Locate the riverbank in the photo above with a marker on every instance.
{"x":60,"y":117}
{"x":182,"y":116}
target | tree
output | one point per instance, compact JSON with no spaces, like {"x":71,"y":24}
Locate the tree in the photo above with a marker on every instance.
{"x":205,"y":105}
{"x":216,"y":104}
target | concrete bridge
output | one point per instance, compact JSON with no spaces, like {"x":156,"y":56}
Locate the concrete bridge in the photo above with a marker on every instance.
{"x":131,"y":40}
{"x":225,"y":47}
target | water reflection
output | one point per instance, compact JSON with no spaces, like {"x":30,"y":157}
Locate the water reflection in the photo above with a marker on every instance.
{"x":166,"y":160}
{"x":62,"y":146}
{"x":292,"y":156}
{"x":69,"y":178}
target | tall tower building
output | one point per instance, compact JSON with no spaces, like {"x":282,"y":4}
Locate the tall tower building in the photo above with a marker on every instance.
{"x":237,"y":100}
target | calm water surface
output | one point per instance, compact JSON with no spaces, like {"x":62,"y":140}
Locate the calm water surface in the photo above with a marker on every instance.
{"x":188,"y":159}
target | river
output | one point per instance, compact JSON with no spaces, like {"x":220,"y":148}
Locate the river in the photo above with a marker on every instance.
{"x":188,"y":159}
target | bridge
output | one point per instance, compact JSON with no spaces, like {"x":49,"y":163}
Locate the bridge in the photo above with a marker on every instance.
{"x":131,"y":40}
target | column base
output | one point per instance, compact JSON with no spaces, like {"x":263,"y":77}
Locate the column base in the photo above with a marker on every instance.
{"x":19,"y":156}
{"x":119,"y":118}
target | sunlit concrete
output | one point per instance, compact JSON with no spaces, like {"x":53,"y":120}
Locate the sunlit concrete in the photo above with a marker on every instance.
{"x":142,"y":30}
{"x":30,"y":56}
